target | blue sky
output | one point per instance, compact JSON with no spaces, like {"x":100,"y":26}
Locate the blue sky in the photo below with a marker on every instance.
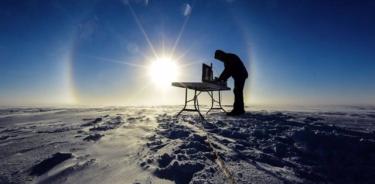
{"x":298,"y":52}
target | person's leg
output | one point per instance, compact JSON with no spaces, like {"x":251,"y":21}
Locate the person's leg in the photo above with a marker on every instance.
{"x":238,"y":105}
{"x":239,"y":85}
{"x":235,"y":100}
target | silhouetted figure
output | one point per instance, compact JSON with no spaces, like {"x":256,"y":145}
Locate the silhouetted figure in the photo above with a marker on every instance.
{"x":236,"y":69}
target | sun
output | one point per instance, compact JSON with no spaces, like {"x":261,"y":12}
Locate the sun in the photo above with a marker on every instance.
{"x":163,"y":71}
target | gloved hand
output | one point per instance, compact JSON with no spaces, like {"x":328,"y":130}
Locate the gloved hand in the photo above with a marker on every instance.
{"x":220,"y":82}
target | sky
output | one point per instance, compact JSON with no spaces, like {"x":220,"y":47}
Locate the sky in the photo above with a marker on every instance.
{"x":96,"y":52}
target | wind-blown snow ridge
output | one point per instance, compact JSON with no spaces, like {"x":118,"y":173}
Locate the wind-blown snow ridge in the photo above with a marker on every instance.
{"x":218,"y":160}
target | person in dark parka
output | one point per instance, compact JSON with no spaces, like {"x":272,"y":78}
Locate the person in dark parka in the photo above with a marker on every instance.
{"x":234,"y":68}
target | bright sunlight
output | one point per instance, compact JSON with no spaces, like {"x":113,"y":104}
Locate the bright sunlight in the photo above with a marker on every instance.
{"x":163,"y":71}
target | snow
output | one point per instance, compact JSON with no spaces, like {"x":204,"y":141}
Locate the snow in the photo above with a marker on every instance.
{"x":151,"y":145}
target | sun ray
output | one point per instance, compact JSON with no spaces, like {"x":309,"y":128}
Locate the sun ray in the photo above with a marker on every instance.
{"x":141,"y":28}
{"x":181,"y":56}
{"x":180,"y":34}
{"x":116,"y":61}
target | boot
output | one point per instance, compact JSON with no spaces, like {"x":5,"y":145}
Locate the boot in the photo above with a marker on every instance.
{"x":235,"y":112}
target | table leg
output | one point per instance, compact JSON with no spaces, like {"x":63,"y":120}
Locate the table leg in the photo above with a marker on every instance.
{"x":211,"y":94}
{"x":186,"y":101}
{"x":213,"y":100}
{"x":220,"y":102}
{"x":196,"y":103}
{"x":195,"y":99}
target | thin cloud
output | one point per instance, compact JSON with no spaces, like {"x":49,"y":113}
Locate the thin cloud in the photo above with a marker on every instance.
{"x":88,"y":28}
{"x":132,"y":47}
{"x":187,"y":10}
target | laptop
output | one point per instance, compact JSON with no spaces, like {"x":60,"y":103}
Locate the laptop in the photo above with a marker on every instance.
{"x":208,"y":75}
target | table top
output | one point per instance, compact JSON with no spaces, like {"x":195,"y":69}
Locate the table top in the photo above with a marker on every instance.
{"x":201,"y":86}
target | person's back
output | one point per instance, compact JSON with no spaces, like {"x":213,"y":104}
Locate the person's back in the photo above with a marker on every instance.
{"x":235,"y":66}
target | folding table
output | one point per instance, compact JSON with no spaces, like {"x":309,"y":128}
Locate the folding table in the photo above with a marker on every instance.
{"x":198,"y":88}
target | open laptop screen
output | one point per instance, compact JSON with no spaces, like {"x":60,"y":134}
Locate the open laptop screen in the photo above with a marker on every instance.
{"x":207,"y":73}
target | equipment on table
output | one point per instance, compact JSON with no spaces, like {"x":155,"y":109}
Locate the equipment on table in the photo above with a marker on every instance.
{"x":208,"y":85}
{"x":207,"y":73}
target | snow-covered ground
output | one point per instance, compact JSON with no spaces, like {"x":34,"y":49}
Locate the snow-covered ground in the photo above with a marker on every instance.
{"x":150,"y":145}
